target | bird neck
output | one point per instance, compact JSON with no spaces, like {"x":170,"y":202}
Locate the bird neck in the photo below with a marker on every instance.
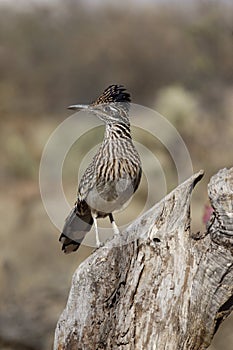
{"x":116,"y":131}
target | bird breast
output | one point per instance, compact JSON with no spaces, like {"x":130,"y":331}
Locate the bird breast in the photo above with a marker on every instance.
{"x":115,"y":182}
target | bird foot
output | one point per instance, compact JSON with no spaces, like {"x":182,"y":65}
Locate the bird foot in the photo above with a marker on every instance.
{"x":116,"y":233}
{"x":99,"y":244}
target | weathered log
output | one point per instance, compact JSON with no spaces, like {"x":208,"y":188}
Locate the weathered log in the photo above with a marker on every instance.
{"x":157,"y":286}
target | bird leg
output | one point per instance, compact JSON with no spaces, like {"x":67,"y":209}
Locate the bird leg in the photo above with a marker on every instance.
{"x":98,"y":243}
{"x":114,"y":226}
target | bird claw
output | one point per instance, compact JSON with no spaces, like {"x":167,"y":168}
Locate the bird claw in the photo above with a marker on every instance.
{"x":116,"y":234}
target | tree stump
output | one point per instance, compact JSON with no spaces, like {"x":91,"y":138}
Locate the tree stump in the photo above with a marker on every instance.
{"x":156,"y":286}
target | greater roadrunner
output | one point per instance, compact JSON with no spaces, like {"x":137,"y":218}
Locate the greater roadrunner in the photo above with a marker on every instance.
{"x":113,"y":175}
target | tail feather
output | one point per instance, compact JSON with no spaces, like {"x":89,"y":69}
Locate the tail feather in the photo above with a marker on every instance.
{"x":75,"y":228}
{"x":68,"y":245}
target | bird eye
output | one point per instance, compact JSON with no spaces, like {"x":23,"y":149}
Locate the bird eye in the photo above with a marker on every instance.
{"x":107,"y":109}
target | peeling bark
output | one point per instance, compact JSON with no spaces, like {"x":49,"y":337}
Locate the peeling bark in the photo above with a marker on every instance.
{"x":156,"y":286}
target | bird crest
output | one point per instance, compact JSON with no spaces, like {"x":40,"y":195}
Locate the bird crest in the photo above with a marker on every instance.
{"x":114,"y":93}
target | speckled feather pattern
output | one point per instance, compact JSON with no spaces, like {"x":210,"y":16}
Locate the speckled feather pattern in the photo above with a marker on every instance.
{"x":114,"y":173}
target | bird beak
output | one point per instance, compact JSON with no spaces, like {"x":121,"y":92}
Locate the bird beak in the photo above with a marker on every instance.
{"x":78,"y":107}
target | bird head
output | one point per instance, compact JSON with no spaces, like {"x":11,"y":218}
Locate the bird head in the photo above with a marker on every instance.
{"x":111,"y":106}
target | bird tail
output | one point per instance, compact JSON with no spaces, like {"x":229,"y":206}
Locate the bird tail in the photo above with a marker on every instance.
{"x":77,"y":224}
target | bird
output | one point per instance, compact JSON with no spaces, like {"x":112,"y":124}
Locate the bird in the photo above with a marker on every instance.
{"x":113,"y":175}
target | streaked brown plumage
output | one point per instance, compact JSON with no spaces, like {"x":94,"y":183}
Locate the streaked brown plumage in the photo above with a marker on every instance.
{"x":113,"y":175}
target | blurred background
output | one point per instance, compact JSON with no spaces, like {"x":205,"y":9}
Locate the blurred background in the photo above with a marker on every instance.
{"x":173,"y":56}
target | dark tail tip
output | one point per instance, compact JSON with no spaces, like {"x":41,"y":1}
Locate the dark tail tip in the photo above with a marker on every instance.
{"x":68,"y":245}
